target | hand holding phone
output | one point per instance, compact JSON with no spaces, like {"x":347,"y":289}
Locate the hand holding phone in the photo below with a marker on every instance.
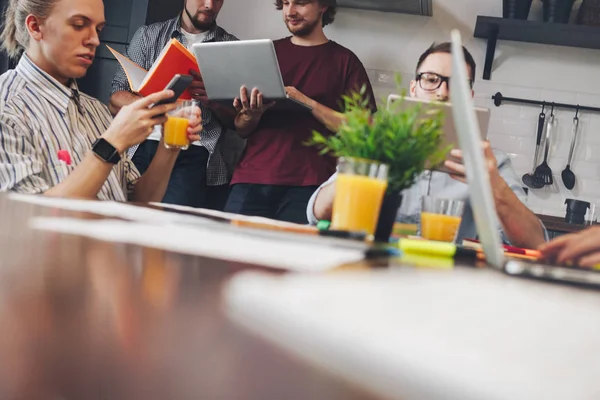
{"x":178,"y":85}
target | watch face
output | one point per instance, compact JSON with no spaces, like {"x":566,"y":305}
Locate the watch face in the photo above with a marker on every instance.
{"x":105,"y":150}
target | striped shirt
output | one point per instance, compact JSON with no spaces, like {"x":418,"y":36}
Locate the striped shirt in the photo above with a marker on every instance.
{"x":145,"y":47}
{"x":40,"y":116}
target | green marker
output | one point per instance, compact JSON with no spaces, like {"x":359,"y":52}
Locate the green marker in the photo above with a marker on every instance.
{"x":323,"y":225}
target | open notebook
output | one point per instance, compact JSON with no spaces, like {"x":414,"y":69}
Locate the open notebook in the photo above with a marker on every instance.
{"x":174,"y":59}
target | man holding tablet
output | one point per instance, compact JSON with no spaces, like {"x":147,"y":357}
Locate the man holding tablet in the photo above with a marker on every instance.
{"x":279,"y":172}
{"x":520,"y":226}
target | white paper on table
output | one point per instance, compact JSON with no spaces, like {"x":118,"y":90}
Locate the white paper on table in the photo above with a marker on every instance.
{"x":422,"y":334}
{"x":110,"y":209}
{"x":206,"y":241}
{"x":230,"y":216}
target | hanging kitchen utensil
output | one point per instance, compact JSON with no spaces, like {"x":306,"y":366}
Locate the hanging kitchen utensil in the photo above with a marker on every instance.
{"x":568,"y":177}
{"x":543,"y":172}
{"x":557,"y":10}
{"x":516,"y":9}
{"x":530,"y":180}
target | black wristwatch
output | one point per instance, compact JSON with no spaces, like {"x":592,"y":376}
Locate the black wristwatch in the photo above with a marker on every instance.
{"x":106,"y":151}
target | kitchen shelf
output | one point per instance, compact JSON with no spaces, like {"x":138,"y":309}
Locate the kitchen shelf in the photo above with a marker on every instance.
{"x":557,"y":225}
{"x":494,"y":28}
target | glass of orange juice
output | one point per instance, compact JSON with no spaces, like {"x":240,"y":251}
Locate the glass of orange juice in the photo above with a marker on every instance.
{"x":175,"y":134}
{"x":359,"y":190}
{"x":441,"y":218}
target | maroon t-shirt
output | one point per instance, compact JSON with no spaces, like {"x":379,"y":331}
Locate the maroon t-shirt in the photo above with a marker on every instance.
{"x":275,"y":152}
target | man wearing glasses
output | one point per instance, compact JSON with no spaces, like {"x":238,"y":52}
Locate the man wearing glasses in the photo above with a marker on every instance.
{"x":519,"y":226}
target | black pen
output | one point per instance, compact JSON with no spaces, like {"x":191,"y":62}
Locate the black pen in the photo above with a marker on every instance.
{"x":352,"y":235}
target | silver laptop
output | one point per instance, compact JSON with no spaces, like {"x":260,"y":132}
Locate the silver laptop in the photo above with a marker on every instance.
{"x":482,"y":201}
{"x":469,"y":138}
{"x":450,"y":137}
{"x":226,"y":66}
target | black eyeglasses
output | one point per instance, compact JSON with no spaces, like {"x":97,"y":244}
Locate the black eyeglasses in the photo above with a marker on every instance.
{"x":431,"y":81}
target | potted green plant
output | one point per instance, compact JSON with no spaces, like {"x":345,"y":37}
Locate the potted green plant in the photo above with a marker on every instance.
{"x":403,"y":138}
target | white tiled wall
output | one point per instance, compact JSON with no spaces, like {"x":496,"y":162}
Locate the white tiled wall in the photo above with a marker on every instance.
{"x":387,"y":42}
{"x":513,"y":129}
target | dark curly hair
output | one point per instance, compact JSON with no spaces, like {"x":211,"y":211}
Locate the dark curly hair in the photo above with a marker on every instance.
{"x":328,"y":16}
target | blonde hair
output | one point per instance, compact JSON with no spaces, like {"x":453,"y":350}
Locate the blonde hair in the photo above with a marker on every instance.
{"x":15,"y":37}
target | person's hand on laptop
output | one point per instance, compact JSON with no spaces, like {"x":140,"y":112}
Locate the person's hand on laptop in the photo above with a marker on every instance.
{"x":251,"y":106}
{"x":297,"y":95}
{"x":582,"y":248}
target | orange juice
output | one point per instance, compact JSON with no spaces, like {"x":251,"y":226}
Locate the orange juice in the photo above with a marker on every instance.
{"x":357,"y":203}
{"x":439,"y":226}
{"x":175,"y":132}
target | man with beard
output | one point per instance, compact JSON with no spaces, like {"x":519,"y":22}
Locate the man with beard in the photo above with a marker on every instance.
{"x":199,"y":178}
{"x":278,"y":172}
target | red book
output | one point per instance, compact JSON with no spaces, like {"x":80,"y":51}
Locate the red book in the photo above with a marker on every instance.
{"x":174,"y":59}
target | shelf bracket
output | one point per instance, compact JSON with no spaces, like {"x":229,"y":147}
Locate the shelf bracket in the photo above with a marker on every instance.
{"x":490,"y":52}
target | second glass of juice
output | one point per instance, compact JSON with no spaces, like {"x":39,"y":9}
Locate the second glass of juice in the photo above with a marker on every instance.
{"x":359,"y":190}
{"x":441,"y":218}
{"x":175,"y":134}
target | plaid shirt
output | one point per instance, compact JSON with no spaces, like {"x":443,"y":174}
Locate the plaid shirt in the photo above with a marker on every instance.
{"x":144,"y":49}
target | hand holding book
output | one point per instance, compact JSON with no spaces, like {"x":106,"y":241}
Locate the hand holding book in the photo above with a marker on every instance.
{"x":174,"y":59}
{"x":197,"y":88}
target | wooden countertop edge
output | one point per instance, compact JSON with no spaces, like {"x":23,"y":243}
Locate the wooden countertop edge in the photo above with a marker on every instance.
{"x":555,"y":223}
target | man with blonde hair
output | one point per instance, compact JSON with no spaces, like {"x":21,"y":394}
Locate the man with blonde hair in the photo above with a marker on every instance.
{"x":56,"y":140}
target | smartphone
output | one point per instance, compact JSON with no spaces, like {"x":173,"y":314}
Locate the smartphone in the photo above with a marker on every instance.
{"x":178,"y":85}
{"x":579,"y":276}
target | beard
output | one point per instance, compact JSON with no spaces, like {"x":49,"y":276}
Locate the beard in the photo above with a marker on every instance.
{"x":303,"y":30}
{"x":200,"y":25}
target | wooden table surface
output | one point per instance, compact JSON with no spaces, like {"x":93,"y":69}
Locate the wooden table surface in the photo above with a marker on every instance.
{"x":84,"y":319}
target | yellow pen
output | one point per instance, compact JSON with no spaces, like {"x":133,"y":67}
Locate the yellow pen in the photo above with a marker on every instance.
{"x":438,"y":249}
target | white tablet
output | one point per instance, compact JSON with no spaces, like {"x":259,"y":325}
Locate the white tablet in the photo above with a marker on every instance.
{"x":450,"y":136}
